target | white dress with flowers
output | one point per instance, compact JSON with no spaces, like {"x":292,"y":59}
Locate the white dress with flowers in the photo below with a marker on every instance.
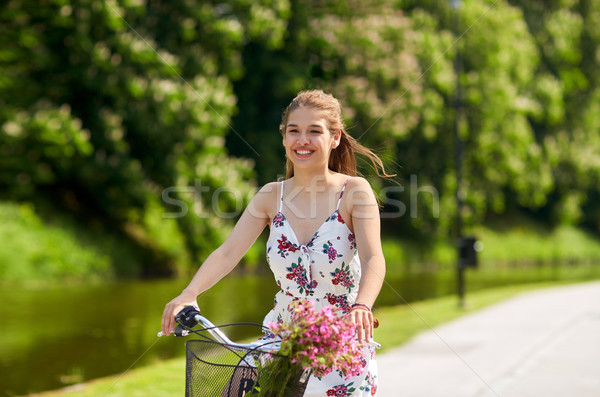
{"x":325,"y":271}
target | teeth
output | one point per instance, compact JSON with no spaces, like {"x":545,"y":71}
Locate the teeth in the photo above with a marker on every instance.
{"x":303,"y":151}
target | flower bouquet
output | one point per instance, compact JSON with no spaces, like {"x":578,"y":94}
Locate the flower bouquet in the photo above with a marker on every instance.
{"x":314,"y":340}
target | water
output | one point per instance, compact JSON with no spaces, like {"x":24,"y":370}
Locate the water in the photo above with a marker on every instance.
{"x":53,"y":337}
{"x":56,"y":336}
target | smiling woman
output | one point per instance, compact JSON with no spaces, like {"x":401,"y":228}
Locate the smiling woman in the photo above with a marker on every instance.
{"x":328,"y":117}
{"x":324,"y":242}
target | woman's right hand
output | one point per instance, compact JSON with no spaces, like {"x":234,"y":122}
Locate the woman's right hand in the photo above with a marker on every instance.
{"x":172,"y":308}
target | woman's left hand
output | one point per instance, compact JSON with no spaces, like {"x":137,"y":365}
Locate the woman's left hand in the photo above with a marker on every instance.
{"x":363,"y":318}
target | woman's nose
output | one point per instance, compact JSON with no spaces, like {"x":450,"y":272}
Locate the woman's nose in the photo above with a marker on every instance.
{"x":304,"y":137}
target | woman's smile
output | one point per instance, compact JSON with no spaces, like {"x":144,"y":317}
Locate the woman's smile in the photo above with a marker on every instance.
{"x":303,"y":153}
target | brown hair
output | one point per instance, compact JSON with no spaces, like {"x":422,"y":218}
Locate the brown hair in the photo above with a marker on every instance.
{"x":342,"y":158}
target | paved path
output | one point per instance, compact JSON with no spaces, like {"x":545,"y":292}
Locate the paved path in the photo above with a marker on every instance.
{"x":544,"y":343}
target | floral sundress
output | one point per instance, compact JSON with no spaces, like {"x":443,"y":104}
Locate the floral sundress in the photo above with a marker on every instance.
{"x":326,"y":271}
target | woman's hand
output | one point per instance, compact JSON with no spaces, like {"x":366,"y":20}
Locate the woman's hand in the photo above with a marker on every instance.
{"x":172,"y":308}
{"x":363,"y":318}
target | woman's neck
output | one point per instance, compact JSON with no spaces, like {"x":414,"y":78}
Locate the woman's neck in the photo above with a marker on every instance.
{"x":306,"y":181}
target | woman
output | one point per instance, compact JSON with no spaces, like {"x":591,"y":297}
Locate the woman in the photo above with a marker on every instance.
{"x":321,"y":217}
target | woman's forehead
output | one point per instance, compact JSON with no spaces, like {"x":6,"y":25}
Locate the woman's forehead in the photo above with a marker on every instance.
{"x":304,"y":116}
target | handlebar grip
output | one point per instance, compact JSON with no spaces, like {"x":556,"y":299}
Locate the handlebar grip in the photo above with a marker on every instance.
{"x":189,"y":317}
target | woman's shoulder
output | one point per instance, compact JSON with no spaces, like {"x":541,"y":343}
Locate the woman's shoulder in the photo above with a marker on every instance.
{"x":266,"y":196}
{"x":270,"y":186}
{"x":268,"y":191}
{"x":359,"y":192}
{"x":358,"y":183}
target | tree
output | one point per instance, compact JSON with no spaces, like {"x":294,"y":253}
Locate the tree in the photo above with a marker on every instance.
{"x":392,"y":66}
{"x":105,"y":104}
{"x":567,"y":37}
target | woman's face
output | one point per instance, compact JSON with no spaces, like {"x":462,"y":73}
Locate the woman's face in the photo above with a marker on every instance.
{"x":307,"y":140}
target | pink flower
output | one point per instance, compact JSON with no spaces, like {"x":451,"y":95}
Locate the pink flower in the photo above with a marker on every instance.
{"x":322,"y":340}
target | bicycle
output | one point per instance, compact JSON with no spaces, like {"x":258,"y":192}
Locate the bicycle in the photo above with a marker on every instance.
{"x":218,"y":366}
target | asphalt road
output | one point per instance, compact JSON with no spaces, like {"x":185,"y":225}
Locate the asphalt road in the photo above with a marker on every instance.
{"x":544,"y":343}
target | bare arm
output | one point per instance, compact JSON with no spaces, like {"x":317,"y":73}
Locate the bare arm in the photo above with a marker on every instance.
{"x":224,"y":259}
{"x":367,"y":229}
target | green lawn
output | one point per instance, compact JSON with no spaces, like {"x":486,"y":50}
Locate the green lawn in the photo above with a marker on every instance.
{"x":162,"y":379}
{"x":398,"y":325}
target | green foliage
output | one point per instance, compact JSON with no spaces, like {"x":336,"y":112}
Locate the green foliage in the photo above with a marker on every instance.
{"x":104,"y":105}
{"x":277,"y":378}
{"x":114,"y":109}
{"x":512,"y":241}
{"x":529,"y":101}
{"x":35,"y":250}
{"x":524,"y":241}
{"x":566,"y":36}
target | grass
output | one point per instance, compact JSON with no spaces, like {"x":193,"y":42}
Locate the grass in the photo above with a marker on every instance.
{"x":33,"y":250}
{"x":398,"y":325}
{"x":42,"y":250}
{"x":42,"y":245}
{"x":524,"y":240}
{"x":166,"y":378}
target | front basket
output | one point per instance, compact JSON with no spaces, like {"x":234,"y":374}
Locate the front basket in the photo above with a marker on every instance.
{"x":215,"y":369}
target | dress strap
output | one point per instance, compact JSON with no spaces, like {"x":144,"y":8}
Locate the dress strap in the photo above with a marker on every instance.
{"x":341,"y":194}
{"x":281,"y":197}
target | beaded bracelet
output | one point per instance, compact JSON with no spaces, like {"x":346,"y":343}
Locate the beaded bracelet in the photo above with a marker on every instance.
{"x":358,"y":305}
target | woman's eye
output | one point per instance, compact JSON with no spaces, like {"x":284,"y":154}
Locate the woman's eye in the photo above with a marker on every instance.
{"x":293,"y":131}
{"x":315,"y":131}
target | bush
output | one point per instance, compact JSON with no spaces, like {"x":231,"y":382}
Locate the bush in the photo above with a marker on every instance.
{"x":34,"y":249}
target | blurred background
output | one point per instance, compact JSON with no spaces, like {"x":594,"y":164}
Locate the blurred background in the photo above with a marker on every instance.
{"x":133,"y":133}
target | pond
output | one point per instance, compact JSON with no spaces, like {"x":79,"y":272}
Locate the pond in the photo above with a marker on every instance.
{"x":56,"y":336}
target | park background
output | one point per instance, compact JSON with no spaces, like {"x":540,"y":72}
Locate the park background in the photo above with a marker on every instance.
{"x":133,"y":133}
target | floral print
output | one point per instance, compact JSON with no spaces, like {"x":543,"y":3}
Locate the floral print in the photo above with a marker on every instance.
{"x":336,"y":216}
{"x":341,"y":390}
{"x":278,"y":220}
{"x":327,"y":270}
{"x":342,"y":276}
{"x":369,"y":385}
{"x":352,"y":240}
{"x":330,"y":251}
{"x":298,"y":274}
{"x":285,"y":247}
{"x":340,"y":301}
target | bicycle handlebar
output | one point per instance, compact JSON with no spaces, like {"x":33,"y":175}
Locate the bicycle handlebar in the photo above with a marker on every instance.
{"x":189,"y":317}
